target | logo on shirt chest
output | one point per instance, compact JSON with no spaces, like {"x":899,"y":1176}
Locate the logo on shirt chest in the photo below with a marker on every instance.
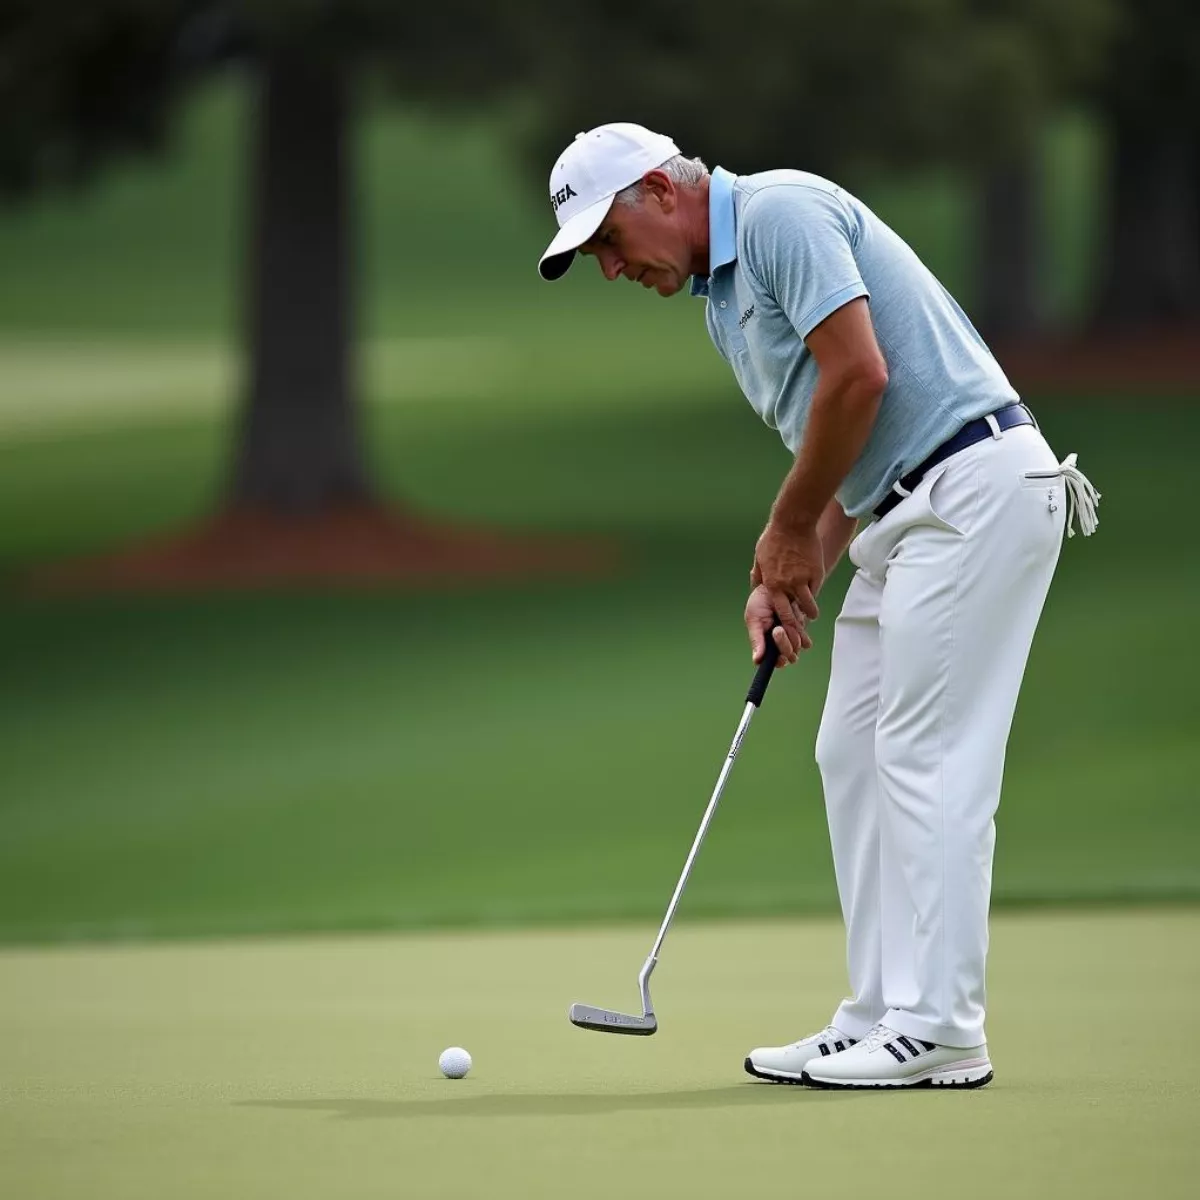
{"x":745,"y":317}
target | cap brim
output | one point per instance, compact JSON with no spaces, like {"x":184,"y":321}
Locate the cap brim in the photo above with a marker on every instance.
{"x":561,"y":252}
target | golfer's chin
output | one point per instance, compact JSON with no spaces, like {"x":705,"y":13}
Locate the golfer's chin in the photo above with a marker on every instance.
{"x":665,"y":283}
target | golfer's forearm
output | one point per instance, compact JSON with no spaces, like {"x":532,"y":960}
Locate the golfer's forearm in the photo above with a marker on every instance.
{"x":839,"y":423}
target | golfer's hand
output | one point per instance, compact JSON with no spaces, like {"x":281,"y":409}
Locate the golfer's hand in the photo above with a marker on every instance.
{"x":760,"y":616}
{"x":790,"y":564}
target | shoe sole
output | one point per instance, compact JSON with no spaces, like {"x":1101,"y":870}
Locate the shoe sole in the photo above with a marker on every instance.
{"x":975,"y":1075}
{"x":800,"y":1080}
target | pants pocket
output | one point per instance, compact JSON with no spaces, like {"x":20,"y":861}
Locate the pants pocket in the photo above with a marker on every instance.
{"x":1040,"y":478}
{"x":940,"y":506}
{"x":1046,"y":490}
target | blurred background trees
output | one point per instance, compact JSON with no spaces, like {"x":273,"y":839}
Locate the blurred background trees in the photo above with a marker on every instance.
{"x":84,"y":86}
{"x":1148,"y":102}
{"x":850,"y":89}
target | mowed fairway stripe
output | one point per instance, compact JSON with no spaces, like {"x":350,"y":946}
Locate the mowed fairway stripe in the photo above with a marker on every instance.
{"x":307,"y":1068}
{"x":63,"y":385}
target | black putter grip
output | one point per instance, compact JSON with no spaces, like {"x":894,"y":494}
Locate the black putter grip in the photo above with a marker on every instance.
{"x":766,"y":668}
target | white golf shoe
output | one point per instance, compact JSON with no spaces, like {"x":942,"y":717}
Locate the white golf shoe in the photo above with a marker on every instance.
{"x":885,"y":1058}
{"x":785,"y":1064}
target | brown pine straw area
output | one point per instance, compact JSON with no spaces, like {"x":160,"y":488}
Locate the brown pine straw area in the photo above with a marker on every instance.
{"x":368,"y":545}
{"x":1162,"y":363}
{"x":354,"y":546}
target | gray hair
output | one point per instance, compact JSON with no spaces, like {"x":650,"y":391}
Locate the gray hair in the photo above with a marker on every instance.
{"x":685,"y":171}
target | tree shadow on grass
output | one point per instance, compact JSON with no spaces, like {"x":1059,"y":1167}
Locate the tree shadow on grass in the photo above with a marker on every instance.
{"x":587,"y":1105}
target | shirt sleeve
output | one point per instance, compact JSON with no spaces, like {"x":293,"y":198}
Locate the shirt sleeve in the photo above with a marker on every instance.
{"x":798,"y":243}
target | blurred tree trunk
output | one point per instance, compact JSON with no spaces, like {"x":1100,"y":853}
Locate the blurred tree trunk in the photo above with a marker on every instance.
{"x":1009,"y":249}
{"x":300,"y":450}
{"x":1153,"y":228}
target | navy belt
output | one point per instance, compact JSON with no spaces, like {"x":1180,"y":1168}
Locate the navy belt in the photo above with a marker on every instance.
{"x":1008,"y":417}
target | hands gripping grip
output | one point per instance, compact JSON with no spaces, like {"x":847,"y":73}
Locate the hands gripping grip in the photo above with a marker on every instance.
{"x":766,"y":668}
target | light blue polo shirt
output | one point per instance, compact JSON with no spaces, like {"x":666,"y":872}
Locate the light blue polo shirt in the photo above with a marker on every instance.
{"x":786,"y":249}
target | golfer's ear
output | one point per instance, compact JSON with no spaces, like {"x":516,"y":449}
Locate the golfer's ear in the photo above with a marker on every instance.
{"x":662,"y":187}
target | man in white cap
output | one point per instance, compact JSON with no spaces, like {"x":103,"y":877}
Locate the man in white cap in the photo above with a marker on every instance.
{"x":894,"y":408}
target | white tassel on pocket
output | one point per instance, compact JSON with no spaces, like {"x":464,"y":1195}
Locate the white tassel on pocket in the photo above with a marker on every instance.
{"x":1083,"y":497}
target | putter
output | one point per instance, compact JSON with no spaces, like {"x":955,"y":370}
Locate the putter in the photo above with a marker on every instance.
{"x":607,"y":1020}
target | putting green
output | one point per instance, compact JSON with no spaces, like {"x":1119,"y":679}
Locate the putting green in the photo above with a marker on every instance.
{"x":307,"y":1068}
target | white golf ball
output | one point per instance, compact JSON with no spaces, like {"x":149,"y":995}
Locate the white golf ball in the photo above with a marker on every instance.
{"x":454,"y":1062}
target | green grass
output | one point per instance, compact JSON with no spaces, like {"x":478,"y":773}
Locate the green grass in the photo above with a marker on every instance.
{"x":155,"y":247}
{"x":237,"y":764}
{"x":307,"y":1068}
{"x":240,"y":764}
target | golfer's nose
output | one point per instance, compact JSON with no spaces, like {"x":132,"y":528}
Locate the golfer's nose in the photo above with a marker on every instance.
{"x":611,"y":265}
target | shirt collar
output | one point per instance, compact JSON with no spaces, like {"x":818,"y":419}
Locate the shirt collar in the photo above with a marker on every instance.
{"x":722,"y":234}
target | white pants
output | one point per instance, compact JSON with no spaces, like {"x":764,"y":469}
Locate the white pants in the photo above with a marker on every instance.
{"x":928,"y":655}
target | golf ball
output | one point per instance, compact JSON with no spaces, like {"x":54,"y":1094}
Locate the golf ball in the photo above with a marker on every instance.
{"x":454,"y":1062}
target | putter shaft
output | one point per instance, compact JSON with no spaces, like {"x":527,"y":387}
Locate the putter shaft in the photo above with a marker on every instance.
{"x":610,"y":1021}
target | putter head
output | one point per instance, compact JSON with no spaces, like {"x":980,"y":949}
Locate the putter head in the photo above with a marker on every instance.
{"x":604,"y":1020}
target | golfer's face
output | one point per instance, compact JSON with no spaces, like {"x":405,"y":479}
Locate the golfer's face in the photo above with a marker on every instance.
{"x":640,"y":242}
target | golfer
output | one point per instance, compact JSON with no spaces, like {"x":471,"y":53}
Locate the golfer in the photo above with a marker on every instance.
{"x":914,"y":453}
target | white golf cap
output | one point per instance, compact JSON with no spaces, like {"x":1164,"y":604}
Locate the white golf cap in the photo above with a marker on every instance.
{"x":588,"y":174}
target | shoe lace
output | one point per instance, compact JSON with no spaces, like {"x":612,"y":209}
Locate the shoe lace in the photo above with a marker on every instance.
{"x":829,"y":1034}
{"x":878,"y":1035}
